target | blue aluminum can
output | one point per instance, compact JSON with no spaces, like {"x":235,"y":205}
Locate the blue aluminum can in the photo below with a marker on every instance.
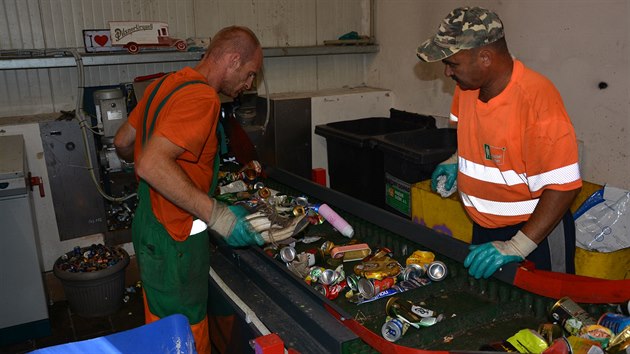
{"x":616,"y":322}
{"x":393,"y":329}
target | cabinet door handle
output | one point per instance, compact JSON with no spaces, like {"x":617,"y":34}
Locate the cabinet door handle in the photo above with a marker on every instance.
{"x":37,"y":181}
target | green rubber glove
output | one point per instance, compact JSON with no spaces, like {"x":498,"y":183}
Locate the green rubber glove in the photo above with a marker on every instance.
{"x":487,"y":258}
{"x":446,"y":168}
{"x":243,"y":233}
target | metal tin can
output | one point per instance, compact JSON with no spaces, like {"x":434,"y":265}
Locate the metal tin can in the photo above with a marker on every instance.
{"x":616,"y":322}
{"x":371,"y":287}
{"x":394,"y":329}
{"x":412,"y":271}
{"x":437,"y":271}
{"x":570,"y":316}
{"x":620,"y":344}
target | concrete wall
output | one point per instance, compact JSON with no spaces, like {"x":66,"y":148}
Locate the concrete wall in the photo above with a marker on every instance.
{"x":576,"y":44}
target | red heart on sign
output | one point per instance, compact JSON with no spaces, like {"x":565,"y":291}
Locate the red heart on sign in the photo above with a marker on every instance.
{"x":101,"y":40}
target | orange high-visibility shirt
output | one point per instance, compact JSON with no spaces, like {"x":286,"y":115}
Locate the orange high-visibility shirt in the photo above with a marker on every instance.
{"x":189,"y":120}
{"x":512,"y":148}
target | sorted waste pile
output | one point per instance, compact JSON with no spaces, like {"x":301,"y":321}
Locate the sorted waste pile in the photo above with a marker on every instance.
{"x":89,"y":259}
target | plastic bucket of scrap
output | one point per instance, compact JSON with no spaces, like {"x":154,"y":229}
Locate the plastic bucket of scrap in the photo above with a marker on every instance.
{"x":93,"y":279}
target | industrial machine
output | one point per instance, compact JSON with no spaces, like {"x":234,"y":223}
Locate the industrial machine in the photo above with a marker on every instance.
{"x":93,"y":190}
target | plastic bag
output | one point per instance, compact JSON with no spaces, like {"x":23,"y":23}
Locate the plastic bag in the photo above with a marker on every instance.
{"x":602,"y":223}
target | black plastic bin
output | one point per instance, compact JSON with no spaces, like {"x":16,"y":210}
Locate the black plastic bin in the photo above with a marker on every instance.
{"x":355,"y":166}
{"x":411,"y":157}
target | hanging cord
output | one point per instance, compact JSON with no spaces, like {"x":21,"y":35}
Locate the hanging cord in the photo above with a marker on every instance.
{"x":84,"y":127}
{"x":264,"y":80}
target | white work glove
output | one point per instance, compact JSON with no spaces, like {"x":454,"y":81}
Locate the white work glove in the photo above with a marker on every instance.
{"x":222,"y":219}
{"x":230,"y":223}
{"x":486,"y":258}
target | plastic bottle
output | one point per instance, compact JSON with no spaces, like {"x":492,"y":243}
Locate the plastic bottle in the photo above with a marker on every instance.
{"x":335,"y":220}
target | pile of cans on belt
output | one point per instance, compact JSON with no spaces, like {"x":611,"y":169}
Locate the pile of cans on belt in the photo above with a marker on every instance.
{"x":377,"y":275}
{"x":572,"y":330}
{"x":89,"y":259}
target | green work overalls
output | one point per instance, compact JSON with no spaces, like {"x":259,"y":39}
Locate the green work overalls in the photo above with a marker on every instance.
{"x":174,"y":273}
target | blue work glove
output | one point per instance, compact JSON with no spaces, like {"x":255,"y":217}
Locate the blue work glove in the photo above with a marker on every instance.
{"x":446,"y":168}
{"x":487,"y":258}
{"x":230,"y":223}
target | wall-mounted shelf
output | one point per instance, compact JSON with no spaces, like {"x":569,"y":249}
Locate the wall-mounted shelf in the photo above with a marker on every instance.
{"x":36,"y":62}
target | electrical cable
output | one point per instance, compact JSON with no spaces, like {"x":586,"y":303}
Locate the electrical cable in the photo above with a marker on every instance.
{"x":264,"y":80}
{"x":84,"y":127}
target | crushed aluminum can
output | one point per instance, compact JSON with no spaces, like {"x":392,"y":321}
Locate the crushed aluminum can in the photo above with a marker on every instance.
{"x":321,"y":288}
{"x":378,"y":268}
{"x":287,"y":254}
{"x":353,"y":282}
{"x":316,"y":272}
{"x":393,"y":329}
{"x":336,"y":289}
{"x":620,"y":343}
{"x":329,"y":277}
{"x":420,"y":258}
{"x":326,"y":247}
{"x":369,"y":288}
{"x":411,"y":312}
{"x":412,"y":271}
{"x":570,"y":316}
{"x":597,"y":333}
{"x":301,"y":201}
{"x":264,"y":193}
{"x":437,"y":271}
{"x":298,"y":210}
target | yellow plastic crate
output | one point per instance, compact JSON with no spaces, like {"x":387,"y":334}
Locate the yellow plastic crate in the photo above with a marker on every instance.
{"x":447,"y":216}
{"x":444,"y":215}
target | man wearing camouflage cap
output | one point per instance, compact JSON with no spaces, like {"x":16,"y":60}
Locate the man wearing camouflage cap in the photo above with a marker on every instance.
{"x":517,"y":162}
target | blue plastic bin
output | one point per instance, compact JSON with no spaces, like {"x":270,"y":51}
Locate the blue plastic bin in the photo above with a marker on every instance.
{"x":170,"y":334}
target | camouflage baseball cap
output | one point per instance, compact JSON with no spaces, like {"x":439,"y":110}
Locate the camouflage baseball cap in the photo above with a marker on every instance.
{"x":463,"y":28}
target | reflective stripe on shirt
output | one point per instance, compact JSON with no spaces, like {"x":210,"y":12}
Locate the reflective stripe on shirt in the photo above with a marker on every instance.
{"x":562,"y":175}
{"x":499,"y":208}
{"x":490,"y":174}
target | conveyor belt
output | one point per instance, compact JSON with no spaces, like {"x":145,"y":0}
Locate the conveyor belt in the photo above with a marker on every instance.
{"x":477,"y":312}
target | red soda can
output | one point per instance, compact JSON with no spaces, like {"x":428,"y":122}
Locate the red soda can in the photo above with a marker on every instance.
{"x":371,"y":287}
{"x":335,"y":290}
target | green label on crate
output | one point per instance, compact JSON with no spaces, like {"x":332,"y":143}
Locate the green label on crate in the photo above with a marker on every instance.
{"x":397,"y":194}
